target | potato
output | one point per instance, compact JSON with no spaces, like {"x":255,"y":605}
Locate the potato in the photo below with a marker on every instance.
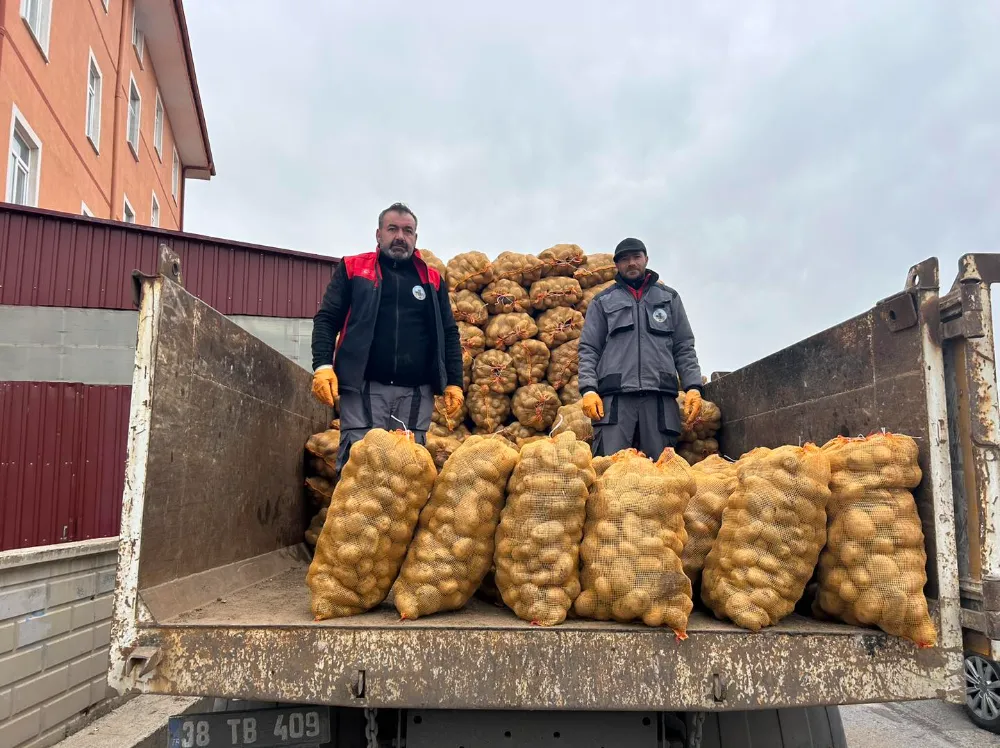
{"x":545,"y":512}
{"x":495,"y":369}
{"x":522,"y":269}
{"x":559,"y":325}
{"x":875,"y":538}
{"x":466,"y":306}
{"x":572,"y":418}
{"x":715,"y":481}
{"x":590,"y":293}
{"x":519,"y":434}
{"x":561,"y":259}
{"x":531,"y":359}
{"x":320,"y":489}
{"x":570,"y":393}
{"x":325,"y":445}
{"x":505,"y":296}
{"x":460,"y":432}
{"x":535,"y":406}
{"x":564,"y":364}
{"x":472,"y":340}
{"x":469,"y":271}
{"x":550,"y":293}
{"x":456,"y":529}
{"x":315,"y":527}
{"x":595,"y":270}
{"x":385,"y":484}
{"x":505,"y":330}
{"x":441,"y":448}
{"x":487,"y":409}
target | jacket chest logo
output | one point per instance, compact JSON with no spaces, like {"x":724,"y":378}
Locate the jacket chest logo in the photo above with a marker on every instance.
{"x":660,"y":315}
{"x":419,"y":293}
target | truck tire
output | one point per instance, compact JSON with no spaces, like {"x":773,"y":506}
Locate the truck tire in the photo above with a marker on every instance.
{"x":982,"y":691}
{"x":810,"y":727}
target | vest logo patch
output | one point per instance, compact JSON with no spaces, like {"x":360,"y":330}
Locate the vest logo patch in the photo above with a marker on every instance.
{"x":419,"y":293}
{"x":660,"y":315}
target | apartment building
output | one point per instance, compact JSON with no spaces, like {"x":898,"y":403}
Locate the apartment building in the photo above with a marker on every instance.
{"x":105,"y":117}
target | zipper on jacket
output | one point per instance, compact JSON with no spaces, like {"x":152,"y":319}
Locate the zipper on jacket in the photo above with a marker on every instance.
{"x":395,"y":348}
{"x":638,"y":333}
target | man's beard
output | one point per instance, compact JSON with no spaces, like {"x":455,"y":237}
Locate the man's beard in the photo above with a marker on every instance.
{"x":398,"y":251}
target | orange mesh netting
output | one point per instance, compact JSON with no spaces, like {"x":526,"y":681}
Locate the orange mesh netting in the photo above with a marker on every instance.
{"x":496,"y":370}
{"x":325,"y":445}
{"x":487,"y":409}
{"x":531,"y":359}
{"x":873,"y":569}
{"x":538,"y":539}
{"x":320,"y":489}
{"x":773,"y":528}
{"x":549,"y":293}
{"x":506,"y":296}
{"x":466,"y":306}
{"x":469,"y":271}
{"x":370,"y":522}
{"x":590,"y":293}
{"x":440,"y":414}
{"x":715,"y":480}
{"x":564,"y":364}
{"x":535,"y":406}
{"x":523,"y":269}
{"x":559,"y":325}
{"x":572,"y":418}
{"x":472,"y":340}
{"x":562,"y":259}
{"x":453,"y":547}
{"x":595,"y":270}
{"x":504,"y":330}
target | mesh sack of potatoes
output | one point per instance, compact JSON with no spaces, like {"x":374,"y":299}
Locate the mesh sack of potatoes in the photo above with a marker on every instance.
{"x":572,"y":418}
{"x":504,"y":330}
{"x":549,"y":293}
{"x":564,"y":363}
{"x":432,"y":260}
{"x":460,"y":432}
{"x":590,"y":293}
{"x":505,"y":296}
{"x":601,"y":464}
{"x":315,"y":527}
{"x":523,"y":269}
{"x":531,"y":360}
{"x":472,"y":340}
{"x":469,"y":271}
{"x":873,"y":569}
{"x":696,"y":451}
{"x":441,"y":448}
{"x":318,"y":466}
{"x":519,"y":434}
{"x":496,"y":370}
{"x":335,"y":424}
{"x":595,"y":270}
{"x":487,"y":409}
{"x":440,"y":415}
{"x":538,"y":538}
{"x":371,"y":520}
{"x":466,"y":306}
{"x":715,"y":480}
{"x":320,"y":489}
{"x":773,"y":528}
{"x":452,"y":549}
{"x":536,"y":405}
{"x":706,"y":424}
{"x":324,"y":445}
{"x":570,"y":393}
{"x":632,"y":543}
{"x":561,"y":259}
{"x":560,"y":325}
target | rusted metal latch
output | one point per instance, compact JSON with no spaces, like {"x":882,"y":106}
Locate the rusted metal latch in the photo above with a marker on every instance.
{"x":169,"y":266}
{"x":144,"y":658}
{"x":962,"y":313}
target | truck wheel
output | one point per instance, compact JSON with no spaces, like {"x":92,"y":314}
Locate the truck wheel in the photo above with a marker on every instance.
{"x":982,"y":691}
{"x":810,"y":727}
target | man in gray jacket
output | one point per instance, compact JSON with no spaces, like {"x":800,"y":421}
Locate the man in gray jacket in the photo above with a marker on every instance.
{"x":636,"y":341}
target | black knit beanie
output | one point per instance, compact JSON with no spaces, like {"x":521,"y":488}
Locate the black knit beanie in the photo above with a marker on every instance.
{"x":629,"y":245}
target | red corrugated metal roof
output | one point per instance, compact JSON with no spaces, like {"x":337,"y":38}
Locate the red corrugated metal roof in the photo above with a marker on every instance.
{"x":62,"y":461}
{"x":56,"y":259}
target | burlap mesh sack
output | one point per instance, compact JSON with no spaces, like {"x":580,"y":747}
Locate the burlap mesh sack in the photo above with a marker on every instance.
{"x":590,"y":293}
{"x":324,"y":445}
{"x":715,"y":481}
{"x":572,"y":418}
{"x":706,"y":425}
{"x":523,"y":269}
{"x":561,"y":259}
{"x":570,"y":393}
{"x":440,"y":414}
{"x":319,"y":466}
{"x":538,"y":539}
{"x":873,"y":569}
{"x":495,"y":369}
{"x":472,"y":340}
{"x":506,"y":296}
{"x":494,"y":429}
{"x":696,"y":451}
{"x":601,"y":464}
{"x":315,"y":527}
{"x":595,"y":270}
{"x":632,"y":543}
{"x":432,"y":260}
{"x":453,"y":547}
{"x":320,"y":489}
{"x":531,"y":360}
{"x":535,"y":406}
{"x":773,"y":528}
{"x":466,"y":306}
{"x":460,"y":432}
{"x":335,"y":424}
{"x":519,"y":434}
{"x":564,"y":363}
{"x":559,"y":325}
{"x":374,"y":511}
{"x":549,"y":293}
{"x":504,"y":330}
{"x":469,"y":271}
{"x":487,"y":409}
{"x":441,"y":448}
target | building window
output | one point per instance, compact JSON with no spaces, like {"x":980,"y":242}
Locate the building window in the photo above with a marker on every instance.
{"x":138,"y":39}
{"x":25,"y":163}
{"x":128,"y":214}
{"x":175,"y":176}
{"x":37,"y":15}
{"x":154,"y":212}
{"x":134,"y":113}
{"x":158,"y":127}
{"x":94,"y":81}
{"x":84,"y":210}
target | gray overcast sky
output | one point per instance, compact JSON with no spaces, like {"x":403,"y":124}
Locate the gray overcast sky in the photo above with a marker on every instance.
{"x":785,"y":163}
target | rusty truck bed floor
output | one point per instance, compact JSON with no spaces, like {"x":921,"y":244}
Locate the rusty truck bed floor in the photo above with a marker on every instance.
{"x":283,"y":600}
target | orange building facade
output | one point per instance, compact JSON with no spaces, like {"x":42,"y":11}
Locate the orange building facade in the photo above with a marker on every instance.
{"x":100,"y":108}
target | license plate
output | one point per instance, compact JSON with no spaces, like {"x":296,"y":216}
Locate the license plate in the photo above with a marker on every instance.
{"x":260,"y":728}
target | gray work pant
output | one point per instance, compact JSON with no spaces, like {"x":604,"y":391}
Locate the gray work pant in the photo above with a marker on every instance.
{"x":647,"y":421}
{"x":383,"y":406}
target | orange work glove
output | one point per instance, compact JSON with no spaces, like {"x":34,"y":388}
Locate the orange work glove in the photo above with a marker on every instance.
{"x":453,"y":399}
{"x":692,"y":407}
{"x":593,"y":406}
{"x":325,"y":388}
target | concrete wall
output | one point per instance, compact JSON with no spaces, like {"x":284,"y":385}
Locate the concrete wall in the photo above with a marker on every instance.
{"x":55,"y":627}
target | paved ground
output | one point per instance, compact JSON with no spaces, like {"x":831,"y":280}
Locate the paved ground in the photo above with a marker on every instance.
{"x":915,"y":724}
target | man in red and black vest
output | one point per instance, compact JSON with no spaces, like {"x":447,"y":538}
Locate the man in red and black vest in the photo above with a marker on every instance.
{"x":398,"y":343}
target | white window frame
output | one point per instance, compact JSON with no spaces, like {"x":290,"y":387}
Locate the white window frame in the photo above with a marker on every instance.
{"x":132,"y":85}
{"x":138,"y":38}
{"x":84,"y":210}
{"x":126,"y":209}
{"x":158,"y":116}
{"x":42,"y":33}
{"x":20,"y":125}
{"x":91,"y":128}
{"x":175,"y":175}
{"x":154,"y":211}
